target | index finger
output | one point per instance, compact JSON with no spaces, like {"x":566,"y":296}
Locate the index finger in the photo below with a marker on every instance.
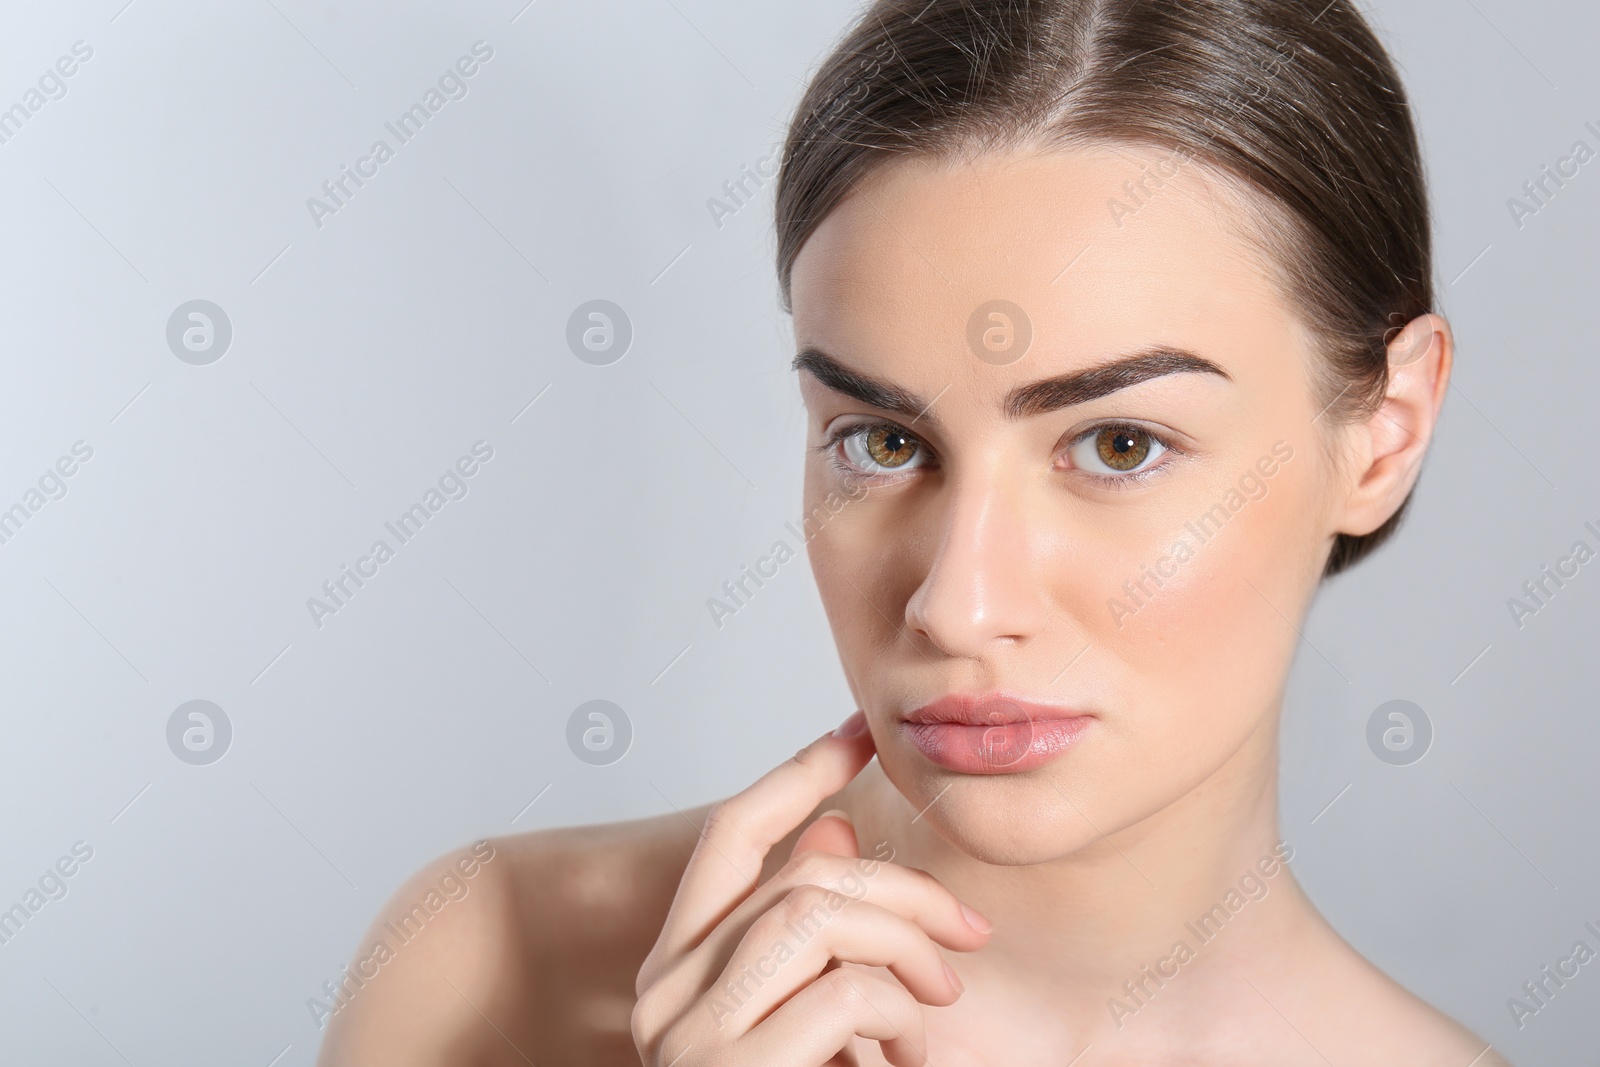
{"x":739,"y":832}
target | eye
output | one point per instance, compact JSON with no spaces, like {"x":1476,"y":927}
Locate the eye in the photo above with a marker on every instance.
{"x":1116,"y":450}
{"x":879,"y":448}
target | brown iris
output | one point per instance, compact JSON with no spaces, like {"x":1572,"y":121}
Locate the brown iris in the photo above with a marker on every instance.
{"x":1122,"y":448}
{"x":890,"y":447}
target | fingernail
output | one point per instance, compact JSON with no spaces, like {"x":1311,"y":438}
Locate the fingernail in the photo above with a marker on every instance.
{"x":854,"y":726}
{"x":976,"y":921}
{"x":955,"y":979}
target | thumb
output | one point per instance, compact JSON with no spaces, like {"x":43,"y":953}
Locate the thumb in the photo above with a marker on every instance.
{"x":831,"y":832}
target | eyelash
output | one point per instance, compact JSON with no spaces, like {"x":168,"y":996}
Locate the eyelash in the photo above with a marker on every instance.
{"x":830,"y":448}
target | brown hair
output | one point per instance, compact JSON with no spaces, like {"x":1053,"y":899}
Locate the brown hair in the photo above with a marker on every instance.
{"x":1293,"y":99}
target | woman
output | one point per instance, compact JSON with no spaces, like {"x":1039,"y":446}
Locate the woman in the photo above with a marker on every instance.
{"x":1116,"y":334}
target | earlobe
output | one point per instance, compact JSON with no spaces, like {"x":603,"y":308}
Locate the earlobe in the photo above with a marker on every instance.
{"x":1395,"y":438}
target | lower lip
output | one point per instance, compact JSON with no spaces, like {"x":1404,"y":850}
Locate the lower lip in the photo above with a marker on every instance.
{"x":1002,"y":748}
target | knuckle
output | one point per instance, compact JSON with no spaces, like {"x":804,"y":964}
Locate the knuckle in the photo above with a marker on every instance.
{"x":669,"y":1044}
{"x":640,"y":1022}
{"x":646,"y":1017}
{"x":892,"y":1001}
{"x":808,"y":755}
{"x":719,"y":818}
{"x":933,"y":889}
{"x":806,"y":902}
{"x":676,"y":1040}
{"x":845,"y":991}
{"x":812,"y":866}
{"x":927,"y":881}
{"x":649,"y":971}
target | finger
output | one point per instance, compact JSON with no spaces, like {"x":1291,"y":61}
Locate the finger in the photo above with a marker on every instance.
{"x":794,"y":943}
{"x":906,"y":891}
{"x":822,"y":1018}
{"x":831,"y":832}
{"x":740,"y":831}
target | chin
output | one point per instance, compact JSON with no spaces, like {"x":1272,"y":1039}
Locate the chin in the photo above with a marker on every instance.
{"x":1009,"y":820}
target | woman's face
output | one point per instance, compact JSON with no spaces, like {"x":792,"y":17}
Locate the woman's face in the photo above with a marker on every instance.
{"x":1133,"y":549}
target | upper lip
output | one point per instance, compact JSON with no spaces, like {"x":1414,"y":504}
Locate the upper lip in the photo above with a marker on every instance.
{"x":988,"y":709}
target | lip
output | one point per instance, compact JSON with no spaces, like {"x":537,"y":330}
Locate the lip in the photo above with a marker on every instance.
{"x":993,"y":733}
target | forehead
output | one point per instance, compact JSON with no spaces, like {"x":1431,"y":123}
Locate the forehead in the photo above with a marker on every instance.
{"x":1104,"y":248}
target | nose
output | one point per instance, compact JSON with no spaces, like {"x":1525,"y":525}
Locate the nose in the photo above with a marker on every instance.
{"x":982,"y":587}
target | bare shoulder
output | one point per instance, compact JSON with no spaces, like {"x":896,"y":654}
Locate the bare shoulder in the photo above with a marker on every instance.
{"x":1380,"y":1021}
{"x":1404,"y":1029}
{"x":512,"y":949}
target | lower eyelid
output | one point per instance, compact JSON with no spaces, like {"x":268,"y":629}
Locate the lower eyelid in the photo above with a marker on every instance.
{"x":1159,"y":469}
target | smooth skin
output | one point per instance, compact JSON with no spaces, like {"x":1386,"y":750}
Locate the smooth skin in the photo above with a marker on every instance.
{"x":851,"y":910}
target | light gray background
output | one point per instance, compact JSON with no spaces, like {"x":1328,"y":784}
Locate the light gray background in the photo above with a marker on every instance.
{"x":368,"y":354}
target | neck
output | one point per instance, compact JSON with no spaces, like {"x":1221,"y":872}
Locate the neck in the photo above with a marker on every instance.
{"x":1095,"y":935}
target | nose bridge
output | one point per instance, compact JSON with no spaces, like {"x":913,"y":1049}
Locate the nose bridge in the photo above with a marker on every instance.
{"x":979,"y":586}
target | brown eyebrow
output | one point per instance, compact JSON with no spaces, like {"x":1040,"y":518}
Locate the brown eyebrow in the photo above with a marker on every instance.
{"x":1033,"y":398}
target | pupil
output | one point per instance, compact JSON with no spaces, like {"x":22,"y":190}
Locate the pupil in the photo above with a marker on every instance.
{"x":1122,"y":442}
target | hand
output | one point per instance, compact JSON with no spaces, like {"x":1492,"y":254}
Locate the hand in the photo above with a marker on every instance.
{"x":746,"y":973}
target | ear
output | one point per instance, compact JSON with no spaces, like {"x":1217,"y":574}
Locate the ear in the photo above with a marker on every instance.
{"x":1386,"y":451}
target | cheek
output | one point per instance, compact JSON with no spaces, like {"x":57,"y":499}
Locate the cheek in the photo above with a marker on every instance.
{"x":848,"y":557}
{"x":1197,"y":619}
{"x":854,"y":576}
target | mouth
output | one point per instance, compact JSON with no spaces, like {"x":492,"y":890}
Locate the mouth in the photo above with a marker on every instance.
{"x":993,"y":733}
